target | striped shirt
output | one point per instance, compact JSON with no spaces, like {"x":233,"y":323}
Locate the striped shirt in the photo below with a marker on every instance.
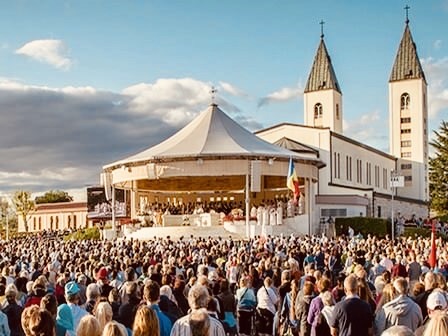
{"x":182,"y":327}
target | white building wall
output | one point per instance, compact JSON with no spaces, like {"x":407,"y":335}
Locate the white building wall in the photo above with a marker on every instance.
{"x":369,"y":170}
{"x":332,"y":116}
{"x":417,"y":188}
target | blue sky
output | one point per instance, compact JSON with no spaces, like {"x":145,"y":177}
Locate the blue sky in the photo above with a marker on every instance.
{"x":86,"y":68}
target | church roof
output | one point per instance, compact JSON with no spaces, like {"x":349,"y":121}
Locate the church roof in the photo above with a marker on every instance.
{"x":213,"y":134}
{"x":295,"y":146}
{"x":407,"y":64}
{"x":322,"y":75}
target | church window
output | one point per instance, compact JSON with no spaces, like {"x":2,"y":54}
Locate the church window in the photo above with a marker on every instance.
{"x":350,"y":167}
{"x":405,"y":131}
{"x":57,"y":222}
{"x":339,"y":166}
{"x":34,"y":223}
{"x":405,"y":101}
{"x":347,"y":175}
{"x":406,"y":154}
{"x":406,"y":143}
{"x":405,"y":120}
{"x":359,"y":171}
{"x":318,"y":111}
{"x":405,"y":166}
{"x":337,"y":111}
{"x":408,"y":178}
{"x":40,"y":223}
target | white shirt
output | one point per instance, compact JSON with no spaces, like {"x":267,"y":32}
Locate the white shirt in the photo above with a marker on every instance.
{"x":267,"y":299}
{"x":78,"y":313}
{"x":182,"y":327}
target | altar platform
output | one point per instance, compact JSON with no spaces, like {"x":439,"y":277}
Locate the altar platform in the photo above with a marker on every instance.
{"x":237,"y":230}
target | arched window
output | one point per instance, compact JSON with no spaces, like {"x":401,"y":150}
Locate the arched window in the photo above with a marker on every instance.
{"x":318,"y":111}
{"x":337,"y":111}
{"x":405,"y":101}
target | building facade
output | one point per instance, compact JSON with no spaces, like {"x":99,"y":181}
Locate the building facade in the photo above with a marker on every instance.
{"x":356,"y":179}
{"x":56,"y":216}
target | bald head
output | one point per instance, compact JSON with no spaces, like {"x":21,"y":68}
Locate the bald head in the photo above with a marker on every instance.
{"x":351,"y":284}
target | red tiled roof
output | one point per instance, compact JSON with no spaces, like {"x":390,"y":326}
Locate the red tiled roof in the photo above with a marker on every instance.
{"x":61,"y":206}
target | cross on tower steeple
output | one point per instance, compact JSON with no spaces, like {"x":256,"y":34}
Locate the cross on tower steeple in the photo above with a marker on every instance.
{"x":407,"y":8}
{"x":321,"y":28}
{"x":213,"y":91}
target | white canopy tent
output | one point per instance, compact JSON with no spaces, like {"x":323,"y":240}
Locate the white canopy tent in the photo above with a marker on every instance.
{"x":212,"y":144}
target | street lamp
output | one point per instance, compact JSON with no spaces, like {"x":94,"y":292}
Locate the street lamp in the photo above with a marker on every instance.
{"x":395,"y":181}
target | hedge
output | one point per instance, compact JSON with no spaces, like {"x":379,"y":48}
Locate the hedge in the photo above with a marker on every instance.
{"x":364,"y":225}
{"x":422,"y":232}
{"x":85,"y":234}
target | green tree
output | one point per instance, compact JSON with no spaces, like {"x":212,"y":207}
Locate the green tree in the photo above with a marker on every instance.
{"x":438,"y":171}
{"x":24,"y":205}
{"x":54,"y":196}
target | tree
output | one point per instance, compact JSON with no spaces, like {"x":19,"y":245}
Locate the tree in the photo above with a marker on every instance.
{"x":438,"y":171}
{"x":54,"y":196}
{"x":24,"y":205}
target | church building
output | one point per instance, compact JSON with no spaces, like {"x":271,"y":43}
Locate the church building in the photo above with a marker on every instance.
{"x":357,"y":178}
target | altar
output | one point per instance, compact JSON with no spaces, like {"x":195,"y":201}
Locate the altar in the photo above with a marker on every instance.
{"x":204,"y":219}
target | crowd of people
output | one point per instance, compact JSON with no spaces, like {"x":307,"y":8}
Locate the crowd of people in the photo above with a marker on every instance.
{"x":309,"y":285}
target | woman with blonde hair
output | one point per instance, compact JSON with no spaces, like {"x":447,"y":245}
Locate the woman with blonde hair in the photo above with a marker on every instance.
{"x":113,"y":328}
{"x":388,"y":294}
{"x":365,"y":293}
{"x":103,"y":313}
{"x":437,"y":325}
{"x":146,"y":322}
{"x":88,"y":326}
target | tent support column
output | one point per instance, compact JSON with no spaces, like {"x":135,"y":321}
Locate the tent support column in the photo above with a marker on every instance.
{"x":114,"y":228}
{"x":308,"y":195}
{"x":247,"y":206}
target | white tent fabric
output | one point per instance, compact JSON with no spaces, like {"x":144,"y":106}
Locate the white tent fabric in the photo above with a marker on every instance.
{"x":212,"y":133}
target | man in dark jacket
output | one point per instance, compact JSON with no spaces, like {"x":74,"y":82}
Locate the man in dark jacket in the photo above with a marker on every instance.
{"x":13,"y":311}
{"x":126,"y":313}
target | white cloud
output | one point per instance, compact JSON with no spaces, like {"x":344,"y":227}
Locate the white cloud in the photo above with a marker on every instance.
{"x":52,"y":52}
{"x":370,"y":129}
{"x":282,"y":95}
{"x":59,"y":138}
{"x":176,"y":101}
{"x":231,"y":89}
{"x":436,"y":71}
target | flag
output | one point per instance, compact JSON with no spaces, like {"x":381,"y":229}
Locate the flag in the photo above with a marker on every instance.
{"x":292,"y":181}
{"x":433,"y":255}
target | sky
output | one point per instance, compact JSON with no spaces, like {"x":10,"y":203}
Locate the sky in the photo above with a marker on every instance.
{"x":85,"y":83}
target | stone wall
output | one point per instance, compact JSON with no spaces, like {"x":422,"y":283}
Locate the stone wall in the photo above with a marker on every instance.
{"x":405,"y":208}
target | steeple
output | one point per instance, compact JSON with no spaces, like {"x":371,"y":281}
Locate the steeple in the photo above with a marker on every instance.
{"x":407,"y":64}
{"x":408,"y":118}
{"x":322,"y":97}
{"x":322,"y":75}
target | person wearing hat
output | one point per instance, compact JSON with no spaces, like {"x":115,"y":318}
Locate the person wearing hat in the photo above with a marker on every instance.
{"x":72,"y":297}
{"x":437,"y":302}
{"x":13,"y":311}
{"x":102,"y":278}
